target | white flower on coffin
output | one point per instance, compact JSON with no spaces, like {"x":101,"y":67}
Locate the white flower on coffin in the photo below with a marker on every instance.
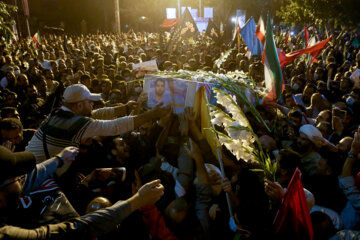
{"x":222,"y":99}
{"x":219,"y":117}
{"x":237,"y":114}
{"x":236,"y":149}
{"x":227,"y":122}
{"x":233,"y":145}
{"x":199,"y":78}
{"x":230,"y":105}
{"x":234,"y":130}
{"x":240,"y":138}
{"x":225,"y":140}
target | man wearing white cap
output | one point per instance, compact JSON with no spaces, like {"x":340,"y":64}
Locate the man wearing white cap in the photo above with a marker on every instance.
{"x":308,"y":143}
{"x":72,"y":122}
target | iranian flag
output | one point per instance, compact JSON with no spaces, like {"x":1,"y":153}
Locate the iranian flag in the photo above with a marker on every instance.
{"x":272,"y":71}
{"x":36,"y":38}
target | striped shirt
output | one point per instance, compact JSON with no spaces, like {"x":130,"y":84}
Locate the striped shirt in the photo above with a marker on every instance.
{"x":65,"y":128}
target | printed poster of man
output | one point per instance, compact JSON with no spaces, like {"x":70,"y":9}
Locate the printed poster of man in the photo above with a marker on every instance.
{"x":175,"y":92}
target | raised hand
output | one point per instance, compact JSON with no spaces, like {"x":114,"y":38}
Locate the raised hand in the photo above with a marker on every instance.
{"x":274,"y":191}
{"x":189,"y":114}
{"x":183,"y":125}
{"x":226,"y":185}
{"x":337,"y":125}
{"x":150,"y":193}
{"x":355,"y":146}
{"x":194,"y":151}
{"x":69,"y":154}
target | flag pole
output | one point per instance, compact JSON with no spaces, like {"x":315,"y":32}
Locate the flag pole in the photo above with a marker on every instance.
{"x":199,"y":8}
{"x":28,"y":27}
{"x":179,"y":9}
{"x":223,"y":175}
{"x":117,"y":17}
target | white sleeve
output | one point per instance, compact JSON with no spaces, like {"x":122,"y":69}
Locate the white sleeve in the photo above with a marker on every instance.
{"x":106,"y":113}
{"x":109,"y":127}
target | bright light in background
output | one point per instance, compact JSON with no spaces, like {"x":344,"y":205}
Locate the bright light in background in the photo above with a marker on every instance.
{"x":233,"y":19}
{"x":208,"y":12}
{"x":292,"y":33}
{"x":170,"y":13}
{"x":194,"y":13}
{"x":143,"y":17}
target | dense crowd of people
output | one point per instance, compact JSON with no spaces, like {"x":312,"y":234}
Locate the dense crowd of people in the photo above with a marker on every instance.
{"x":97,"y":156}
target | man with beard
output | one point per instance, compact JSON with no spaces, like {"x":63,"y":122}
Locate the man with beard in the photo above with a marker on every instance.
{"x":308,"y":143}
{"x":32,"y":106}
{"x":159,"y":89}
{"x":12,"y":132}
{"x":76,"y":120}
{"x":50,"y":82}
{"x":160,"y":94}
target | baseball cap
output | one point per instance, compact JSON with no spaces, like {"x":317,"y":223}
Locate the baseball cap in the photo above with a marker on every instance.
{"x":15,"y":164}
{"x":79,"y":92}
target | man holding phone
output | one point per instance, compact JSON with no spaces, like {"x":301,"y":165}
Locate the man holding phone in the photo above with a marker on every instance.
{"x":341,"y":123}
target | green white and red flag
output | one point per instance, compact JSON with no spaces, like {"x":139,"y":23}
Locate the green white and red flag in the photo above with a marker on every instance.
{"x":37,"y":39}
{"x":272,"y":69}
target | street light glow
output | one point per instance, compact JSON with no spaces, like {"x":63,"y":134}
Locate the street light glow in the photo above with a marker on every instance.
{"x":233,"y":19}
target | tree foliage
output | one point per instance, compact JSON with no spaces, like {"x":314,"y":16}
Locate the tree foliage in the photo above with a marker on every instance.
{"x":6,"y":23}
{"x":321,"y":12}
